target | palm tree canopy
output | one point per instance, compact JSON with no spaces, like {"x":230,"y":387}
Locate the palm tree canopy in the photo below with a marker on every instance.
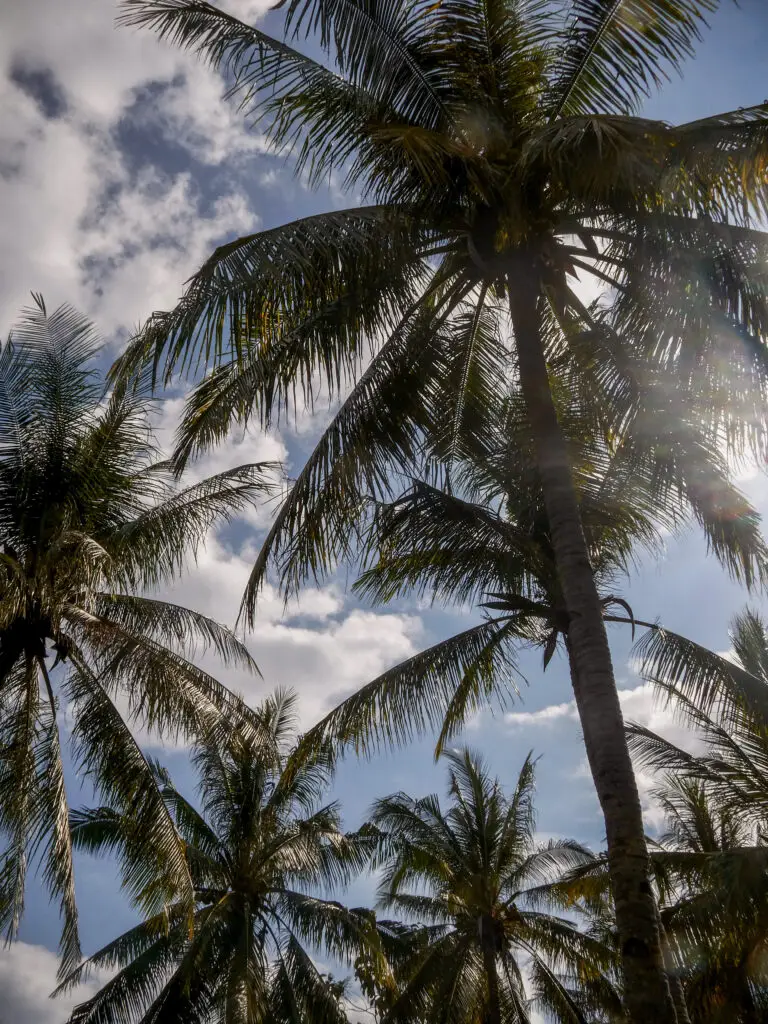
{"x":90,"y":519}
{"x":478,"y":535}
{"x":481,"y":135}
{"x":462,"y":873}
{"x":260,"y":849}
{"x":500,"y":153}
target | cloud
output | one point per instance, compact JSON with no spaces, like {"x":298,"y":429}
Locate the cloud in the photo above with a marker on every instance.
{"x":317,"y":646}
{"x":544,"y":716}
{"x":639,"y":705}
{"x":82,"y":221}
{"x":27,"y":977}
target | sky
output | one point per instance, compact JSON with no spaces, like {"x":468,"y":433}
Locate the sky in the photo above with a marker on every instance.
{"x":121,"y":167}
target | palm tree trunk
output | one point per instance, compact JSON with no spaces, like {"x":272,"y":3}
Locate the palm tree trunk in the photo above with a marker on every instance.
{"x":647,"y":994}
{"x":493,"y":1011}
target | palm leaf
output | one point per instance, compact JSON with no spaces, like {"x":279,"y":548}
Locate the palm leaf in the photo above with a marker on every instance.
{"x":415,"y":696}
{"x":614,"y":51}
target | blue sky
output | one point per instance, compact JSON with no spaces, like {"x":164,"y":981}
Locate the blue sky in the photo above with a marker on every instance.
{"x":120,"y":168}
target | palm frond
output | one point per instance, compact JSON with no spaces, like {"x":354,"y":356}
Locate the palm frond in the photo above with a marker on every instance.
{"x":415,"y":696}
{"x":155,"y":871}
{"x":614,"y":51}
{"x":153,"y":547}
{"x":173,"y":625}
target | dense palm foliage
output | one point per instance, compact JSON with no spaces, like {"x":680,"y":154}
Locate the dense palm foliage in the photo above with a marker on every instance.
{"x":260,"y":849}
{"x":500,"y":152}
{"x":717,"y":910}
{"x":90,"y":521}
{"x":462,"y":874}
{"x":482,"y":538}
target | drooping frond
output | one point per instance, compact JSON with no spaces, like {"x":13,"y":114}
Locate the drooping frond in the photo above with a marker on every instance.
{"x":418,"y":694}
{"x":707,"y":679}
{"x":302,"y":298}
{"x":154,"y":546}
{"x":172,"y":625}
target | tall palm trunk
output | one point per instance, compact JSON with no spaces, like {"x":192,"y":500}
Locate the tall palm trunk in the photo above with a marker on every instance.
{"x":493,"y":1011}
{"x":647,"y":994}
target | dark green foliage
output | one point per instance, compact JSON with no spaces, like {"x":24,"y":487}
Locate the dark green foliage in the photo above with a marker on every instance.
{"x":462,"y":876}
{"x":91,"y":520}
{"x":259,"y":851}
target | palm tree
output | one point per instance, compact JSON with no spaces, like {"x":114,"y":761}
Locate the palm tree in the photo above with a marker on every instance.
{"x":462,"y":874}
{"x":732,"y":724}
{"x":716,"y":804}
{"x":711,"y":873}
{"x":482,"y":538}
{"x":501,"y":155}
{"x":90,"y":520}
{"x":258,"y":851}
{"x":716,"y":917}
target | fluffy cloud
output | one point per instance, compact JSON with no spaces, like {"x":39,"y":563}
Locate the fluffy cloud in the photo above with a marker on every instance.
{"x":317,"y":646}
{"x":27,"y":977}
{"x":80,"y":221}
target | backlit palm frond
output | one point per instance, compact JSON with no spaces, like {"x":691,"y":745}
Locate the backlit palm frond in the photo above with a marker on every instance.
{"x":437,"y":543}
{"x":59,"y":347}
{"x":324,"y":924}
{"x":300,"y":993}
{"x":371,"y":440}
{"x":172,"y":625}
{"x":163,"y":691}
{"x":749,"y":636}
{"x":153,"y":547}
{"x":707,"y":679}
{"x":414,"y":696}
{"x":614,"y":51}
{"x":289,"y":93}
{"x":155,"y":871}
{"x":301,"y":297}
{"x":19,"y":789}
{"x":723,"y":159}
{"x":51,"y":839}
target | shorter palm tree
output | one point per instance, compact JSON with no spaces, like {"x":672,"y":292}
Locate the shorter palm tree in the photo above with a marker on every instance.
{"x":716,"y":914}
{"x":91,"y":522}
{"x":259,"y":850}
{"x":716,"y":803}
{"x":711,"y":878}
{"x":463,"y":874}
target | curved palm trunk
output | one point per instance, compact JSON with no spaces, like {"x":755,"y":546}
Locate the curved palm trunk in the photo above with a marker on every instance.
{"x":647,"y":994}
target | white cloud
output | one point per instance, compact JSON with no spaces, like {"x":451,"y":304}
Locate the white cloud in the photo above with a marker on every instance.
{"x":544,"y":716}
{"x":317,"y":646}
{"x":27,"y":977}
{"x":639,"y":705}
{"x":79,"y":223}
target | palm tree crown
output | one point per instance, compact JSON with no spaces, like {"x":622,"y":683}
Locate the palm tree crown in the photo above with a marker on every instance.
{"x":463,"y":873}
{"x":259,"y":850}
{"x":481,"y":537}
{"x":90,"y":518}
{"x":481,"y":134}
